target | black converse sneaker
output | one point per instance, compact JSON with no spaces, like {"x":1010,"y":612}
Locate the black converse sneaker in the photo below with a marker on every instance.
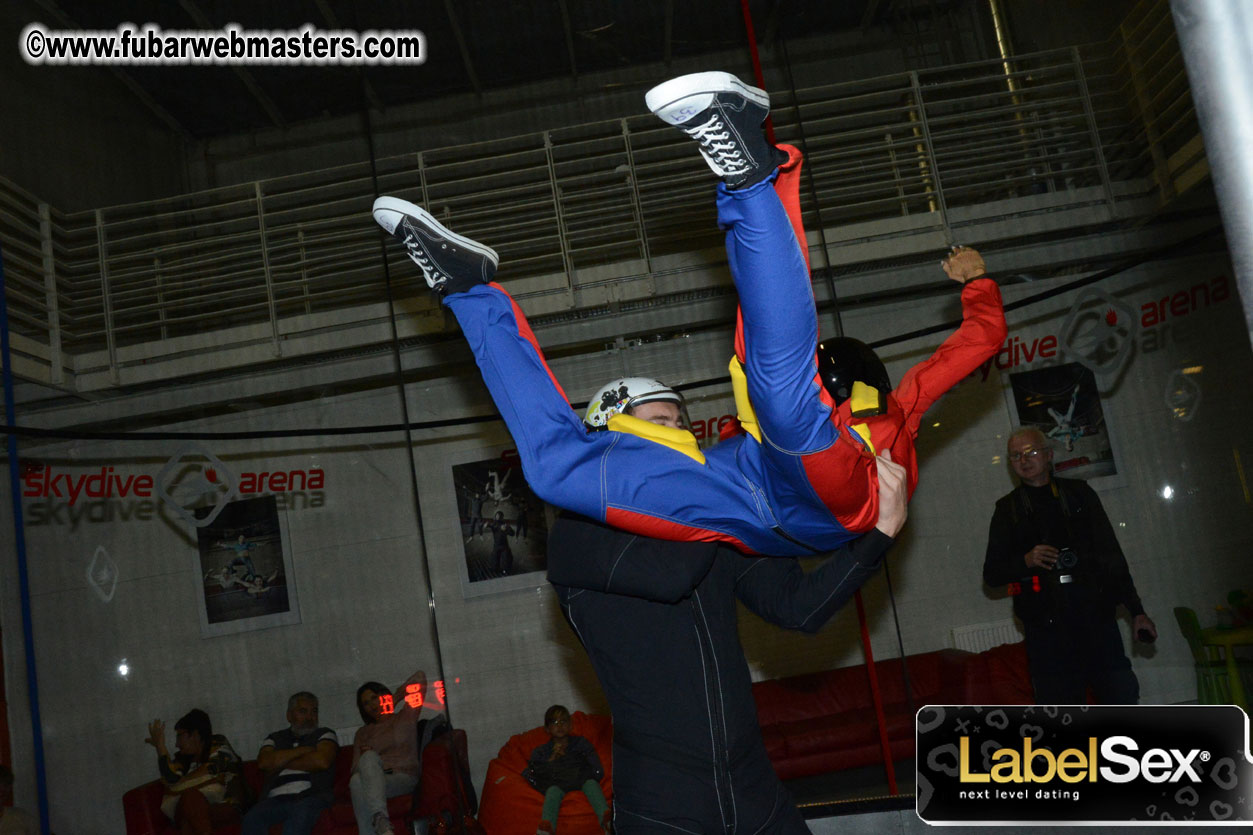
{"x":724,"y":115}
{"x":449,"y":262}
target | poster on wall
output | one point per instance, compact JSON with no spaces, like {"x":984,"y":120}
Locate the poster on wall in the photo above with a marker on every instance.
{"x":1063,"y":402}
{"x":245,"y":577}
{"x":503,"y":525}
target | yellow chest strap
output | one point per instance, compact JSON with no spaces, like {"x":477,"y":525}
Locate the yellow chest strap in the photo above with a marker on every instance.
{"x":864,"y":431}
{"x":743,"y":406}
{"x":865,"y":399}
{"x":680,"y":440}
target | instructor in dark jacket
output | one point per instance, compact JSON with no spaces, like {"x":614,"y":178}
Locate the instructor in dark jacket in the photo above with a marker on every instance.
{"x":1052,"y":544}
{"x":658,"y":621}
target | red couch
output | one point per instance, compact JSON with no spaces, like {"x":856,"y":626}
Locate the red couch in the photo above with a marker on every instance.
{"x":510,"y":806}
{"x":823,"y":722}
{"x":142,"y":805}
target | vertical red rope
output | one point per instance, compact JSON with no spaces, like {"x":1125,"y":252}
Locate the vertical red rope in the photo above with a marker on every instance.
{"x":876,"y":696}
{"x":752,"y":50}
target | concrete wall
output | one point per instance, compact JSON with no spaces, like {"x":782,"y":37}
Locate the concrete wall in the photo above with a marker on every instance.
{"x":355,"y":567}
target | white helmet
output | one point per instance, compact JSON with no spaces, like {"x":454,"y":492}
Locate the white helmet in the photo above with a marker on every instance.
{"x":620,"y":395}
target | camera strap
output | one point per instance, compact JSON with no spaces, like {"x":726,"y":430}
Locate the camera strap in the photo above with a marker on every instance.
{"x":1022,"y":499}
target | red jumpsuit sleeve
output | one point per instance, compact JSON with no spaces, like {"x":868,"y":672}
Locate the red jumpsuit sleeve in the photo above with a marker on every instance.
{"x":980,"y":336}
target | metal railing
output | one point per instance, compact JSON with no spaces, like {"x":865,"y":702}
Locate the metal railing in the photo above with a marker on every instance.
{"x":625,"y":193}
{"x":1148,"y":77}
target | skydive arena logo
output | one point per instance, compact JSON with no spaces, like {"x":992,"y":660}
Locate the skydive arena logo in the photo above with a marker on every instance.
{"x":1169,"y":765}
{"x":194,"y":484}
{"x":1099,"y":331}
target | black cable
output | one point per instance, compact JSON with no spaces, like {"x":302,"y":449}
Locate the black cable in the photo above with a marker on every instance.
{"x":87,"y":435}
{"x":1122,"y":266}
{"x":404,"y":409}
{"x":813,"y":191}
{"x":900,"y":643}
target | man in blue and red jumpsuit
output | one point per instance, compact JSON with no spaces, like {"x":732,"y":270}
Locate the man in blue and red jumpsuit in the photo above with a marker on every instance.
{"x":802,"y":479}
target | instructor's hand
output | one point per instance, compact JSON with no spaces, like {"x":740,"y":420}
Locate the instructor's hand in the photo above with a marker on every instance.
{"x":893,"y":503}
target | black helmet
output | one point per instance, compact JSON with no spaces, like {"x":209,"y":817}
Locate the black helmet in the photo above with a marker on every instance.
{"x":843,"y":361}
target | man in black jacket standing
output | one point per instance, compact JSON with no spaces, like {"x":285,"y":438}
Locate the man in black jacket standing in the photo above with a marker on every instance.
{"x":658,"y":621}
{"x":1052,"y":543}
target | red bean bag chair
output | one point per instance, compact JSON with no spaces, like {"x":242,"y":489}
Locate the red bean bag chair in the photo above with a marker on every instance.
{"x":510,"y":806}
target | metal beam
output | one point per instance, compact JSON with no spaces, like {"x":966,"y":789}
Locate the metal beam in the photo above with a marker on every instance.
{"x":267,"y":104}
{"x":465,"y":50}
{"x":669,"y":37}
{"x":128,"y":81}
{"x":872,"y":9}
{"x":771,"y":32}
{"x":371,"y":95}
{"x":565,"y":23}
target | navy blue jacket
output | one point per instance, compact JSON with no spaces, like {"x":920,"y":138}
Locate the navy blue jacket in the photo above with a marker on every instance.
{"x":658,"y":621}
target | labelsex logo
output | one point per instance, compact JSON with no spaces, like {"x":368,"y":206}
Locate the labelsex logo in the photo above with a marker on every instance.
{"x":1040,"y":765}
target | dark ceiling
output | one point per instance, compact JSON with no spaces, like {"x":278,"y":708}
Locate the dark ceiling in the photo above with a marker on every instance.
{"x":472,"y":46}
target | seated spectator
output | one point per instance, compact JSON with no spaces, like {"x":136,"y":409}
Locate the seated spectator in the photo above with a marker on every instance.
{"x":13,"y":821}
{"x":565,"y":763}
{"x":385,"y":757}
{"x":297,"y":762}
{"x":204,"y":784}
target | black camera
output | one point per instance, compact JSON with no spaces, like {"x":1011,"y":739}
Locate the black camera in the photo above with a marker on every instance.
{"x":1067,"y":559}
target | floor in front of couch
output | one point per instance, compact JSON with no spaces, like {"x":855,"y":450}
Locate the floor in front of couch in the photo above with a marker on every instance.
{"x":853,"y":791}
{"x":907,"y":822}
{"x":856,"y":802}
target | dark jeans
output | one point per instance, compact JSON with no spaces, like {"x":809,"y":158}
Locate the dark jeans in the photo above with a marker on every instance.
{"x":298,"y":814}
{"x":1067,"y":656}
{"x":250,"y":571}
{"x":781,"y":817}
{"x":502,"y":559}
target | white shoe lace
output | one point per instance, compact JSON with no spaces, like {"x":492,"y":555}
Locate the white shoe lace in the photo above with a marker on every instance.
{"x":432,"y":274}
{"x":716,"y":146}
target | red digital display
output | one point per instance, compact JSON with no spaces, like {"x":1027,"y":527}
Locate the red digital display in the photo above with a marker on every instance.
{"x":414,"y":697}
